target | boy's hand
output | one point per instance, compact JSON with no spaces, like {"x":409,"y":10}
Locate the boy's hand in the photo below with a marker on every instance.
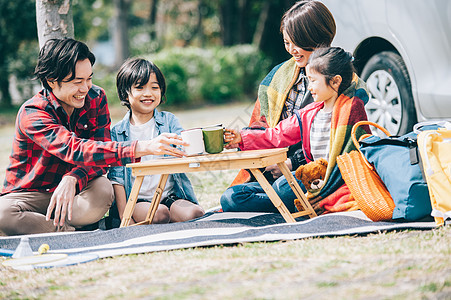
{"x":232,"y":138}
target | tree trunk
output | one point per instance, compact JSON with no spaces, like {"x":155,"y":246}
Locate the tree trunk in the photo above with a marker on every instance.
{"x":153,"y":19}
{"x":120,"y":37}
{"x":4,"y":92}
{"x":54,"y":20}
{"x":199,"y":28}
{"x":228,"y":17}
{"x":271,"y":40}
{"x":243,"y":21}
{"x":261,"y":23}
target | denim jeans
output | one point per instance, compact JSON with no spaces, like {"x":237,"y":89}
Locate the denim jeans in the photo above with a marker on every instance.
{"x":251,"y":197}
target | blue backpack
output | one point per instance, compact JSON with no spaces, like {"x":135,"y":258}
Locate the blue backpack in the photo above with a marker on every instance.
{"x":397,"y":162}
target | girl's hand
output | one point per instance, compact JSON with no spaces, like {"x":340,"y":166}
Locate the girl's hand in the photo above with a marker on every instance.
{"x":232,"y":138}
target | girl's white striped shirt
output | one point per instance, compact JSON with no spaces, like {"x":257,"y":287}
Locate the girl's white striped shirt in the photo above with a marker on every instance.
{"x":320,"y":135}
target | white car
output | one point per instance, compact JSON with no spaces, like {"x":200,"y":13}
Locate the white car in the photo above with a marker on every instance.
{"x":402,"y":49}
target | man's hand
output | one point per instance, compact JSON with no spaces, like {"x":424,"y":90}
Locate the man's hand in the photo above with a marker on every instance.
{"x":62,"y":201}
{"x":161,"y":145}
{"x":275,"y":171}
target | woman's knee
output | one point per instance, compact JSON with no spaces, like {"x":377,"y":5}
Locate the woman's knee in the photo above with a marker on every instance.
{"x":229,"y":199}
{"x":225,"y":198}
{"x":243,"y":197}
{"x":285,"y":192}
{"x":281,"y":186}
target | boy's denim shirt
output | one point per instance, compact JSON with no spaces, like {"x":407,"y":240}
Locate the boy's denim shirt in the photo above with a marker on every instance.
{"x":164,"y":122}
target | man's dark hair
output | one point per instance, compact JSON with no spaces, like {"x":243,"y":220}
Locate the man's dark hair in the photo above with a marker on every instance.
{"x":137,"y":71}
{"x":309,"y":24}
{"x":57,"y":59}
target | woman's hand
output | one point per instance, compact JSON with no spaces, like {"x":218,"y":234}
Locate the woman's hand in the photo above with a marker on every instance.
{"x":161,"y":145}
{"x":232,"y":138}
{"x":275,"y":170}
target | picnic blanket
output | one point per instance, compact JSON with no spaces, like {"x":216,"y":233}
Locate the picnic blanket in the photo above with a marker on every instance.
{"x":212,"y":229}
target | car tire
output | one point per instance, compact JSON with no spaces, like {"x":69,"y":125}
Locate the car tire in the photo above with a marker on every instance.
{"x":391,"y":102}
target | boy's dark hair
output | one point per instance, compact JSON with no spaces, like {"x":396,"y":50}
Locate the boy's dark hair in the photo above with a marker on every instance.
{"x":57,"y":60}
{"x":309,"y":24}
{"x":333,"y":61}
{"x":137,"y":71}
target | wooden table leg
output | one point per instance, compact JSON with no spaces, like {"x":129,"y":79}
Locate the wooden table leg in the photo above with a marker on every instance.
{"x":130,"y":206}
{"x":156,"y":199}
{"x":297,"y":190}
{"x":275,"y":199}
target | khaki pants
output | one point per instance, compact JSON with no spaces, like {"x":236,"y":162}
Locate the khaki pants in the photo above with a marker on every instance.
{"x":24,"y":212}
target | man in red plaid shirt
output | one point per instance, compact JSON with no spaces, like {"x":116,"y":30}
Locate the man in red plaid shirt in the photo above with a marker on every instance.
{"x":62,"y":147}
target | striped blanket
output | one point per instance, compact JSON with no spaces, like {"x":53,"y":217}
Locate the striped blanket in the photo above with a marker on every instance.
{"x":273,"y":90}
{"x":348,"y":110}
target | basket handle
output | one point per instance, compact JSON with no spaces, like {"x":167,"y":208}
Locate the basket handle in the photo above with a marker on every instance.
{"x":356,"y":143}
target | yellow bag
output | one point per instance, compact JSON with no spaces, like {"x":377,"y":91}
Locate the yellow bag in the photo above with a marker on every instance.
{"x":435,"y":153}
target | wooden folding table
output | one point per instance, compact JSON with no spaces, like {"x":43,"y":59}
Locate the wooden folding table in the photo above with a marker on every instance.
{"x":252,"y":160}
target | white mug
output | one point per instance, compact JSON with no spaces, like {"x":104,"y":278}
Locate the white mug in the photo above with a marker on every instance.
{"x":194,"y":138}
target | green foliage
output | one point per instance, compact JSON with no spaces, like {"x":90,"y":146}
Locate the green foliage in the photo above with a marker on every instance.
{"x":22,"y":70}
{"x":214,"y":75}
{"x":17,"y":26}
{"x":106,"y":79}
{"x":91,"y":19}
{"x":141,"y":42}
{"x":176,"y":77}
{"x":221,"y":79}
{"x":196,"y":76}
{"x":27,"y":52}
{"x":17,"y":23}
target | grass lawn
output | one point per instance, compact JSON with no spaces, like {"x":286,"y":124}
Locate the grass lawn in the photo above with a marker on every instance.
{"x":394,"y":265}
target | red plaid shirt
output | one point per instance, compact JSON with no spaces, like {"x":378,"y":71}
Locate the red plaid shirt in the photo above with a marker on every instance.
{"x":49,"y":145}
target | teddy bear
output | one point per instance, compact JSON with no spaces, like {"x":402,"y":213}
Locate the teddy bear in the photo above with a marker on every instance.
{"x":312,"y":177}
{"x":312,"y":174}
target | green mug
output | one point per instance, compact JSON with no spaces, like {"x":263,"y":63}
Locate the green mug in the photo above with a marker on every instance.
{"x":213,"y":138}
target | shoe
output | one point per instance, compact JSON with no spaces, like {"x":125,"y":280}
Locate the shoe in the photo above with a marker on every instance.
{"x":89,"y":227}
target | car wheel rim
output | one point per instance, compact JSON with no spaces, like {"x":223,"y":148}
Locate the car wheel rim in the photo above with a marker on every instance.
{"x":384,"y":106}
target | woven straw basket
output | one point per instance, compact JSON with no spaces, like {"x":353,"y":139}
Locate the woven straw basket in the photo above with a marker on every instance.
{"x":365,"y":185}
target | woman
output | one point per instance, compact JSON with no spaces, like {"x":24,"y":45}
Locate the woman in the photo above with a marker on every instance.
{"x":307,"y":25}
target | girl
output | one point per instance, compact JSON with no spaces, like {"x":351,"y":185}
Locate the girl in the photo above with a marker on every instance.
{"x":141,"y":87}
{"x":323,"y":127}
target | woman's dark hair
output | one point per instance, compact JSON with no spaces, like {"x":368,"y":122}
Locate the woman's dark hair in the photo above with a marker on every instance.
{"x":309,"y":24}
{"x":57,"y":60}
{"x":333,"y":61}
{"x":137,"y":71}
